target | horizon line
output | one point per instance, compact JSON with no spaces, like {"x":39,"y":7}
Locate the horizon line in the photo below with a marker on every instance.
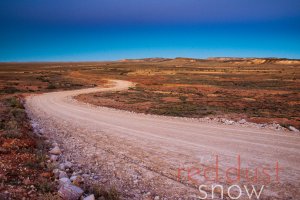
{"x":117,"y":60}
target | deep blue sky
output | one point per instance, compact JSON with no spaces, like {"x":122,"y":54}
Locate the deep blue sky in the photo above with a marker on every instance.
{"x":77,"y":30}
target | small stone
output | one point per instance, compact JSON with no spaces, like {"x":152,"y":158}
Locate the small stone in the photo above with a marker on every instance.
{"x":70,"y":192}
{"x":242,"y":121}
{"x":68,"y":165}
{"x":63,"y":181}
{"x":56,"y":151}
{"x":228,"y":122}
{"x":78,"y":181}
{"x":63,"y":174}
{"x":85,"y":175}
{"x":90,"y":197}
{"x":104,"y":180}
{"x":53,"y":158}
{"x":148,"y":193}
{"x":293,"y":129}
{"x":73,"y":178}
{"x":156,"y":198}
{"x":62,"y":166}
{"x":276,"y":126}
{"x":56,"y":172}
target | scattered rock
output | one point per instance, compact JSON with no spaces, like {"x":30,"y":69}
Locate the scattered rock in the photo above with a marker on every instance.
{"x":62,"y":166}
{"x":63,"y":181}
{"x":70,"y":192}
{"x":78,"y":181}
{"x":73,"y":178}
{"x":90,"y":197}
{"x":85,"y":175}
{"x":68,"y":165}
{"x":277,"y":126}
{"x":56,"y":151}
{"x":54,"y":144}
{"x":156,"y":198}
{"x":262,"y":125}
{"x":53,"y":158}
{"x":228,"y":122}
{"x":56,"y":172}
{"x":242,"y":121}
{"x":293,"y":129}
{"x":148,"y":194}
{"x":63,"y":174}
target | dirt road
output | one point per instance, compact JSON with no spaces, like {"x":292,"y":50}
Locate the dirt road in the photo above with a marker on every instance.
{"x":142,"y":155}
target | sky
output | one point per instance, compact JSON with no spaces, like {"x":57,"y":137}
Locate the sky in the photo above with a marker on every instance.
{"x":96,"y":30}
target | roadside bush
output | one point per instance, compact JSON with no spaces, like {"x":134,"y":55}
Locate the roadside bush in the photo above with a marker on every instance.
{"x":10,"y":90}
{"x":51,"y":87}
{"x":18,"y":113}
{"x":12,"y":134}
{"x":15,"y":102}
{"x":46,"y":186}
{"x":101,"y":192}
{"x":11,"y":124}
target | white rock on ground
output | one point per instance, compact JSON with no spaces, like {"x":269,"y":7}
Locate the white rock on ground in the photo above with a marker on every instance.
{"x":78,"y":179}
{"x":90,"y":197}
{"x":73,"y":178}
{"x":229,"y":122}
{"x":70,"y":192}
{"x":63,"y":181}
{"x":53,"y":158}
{"x":56,"y":172}
{"x":242,"y":121}
{"x":293,"y":129}
{"x":62,"y":166}
{"x":63,"y":174}
{"x":56,"y":151}
{"x":54,"y":144}
{"x":68,"y":165}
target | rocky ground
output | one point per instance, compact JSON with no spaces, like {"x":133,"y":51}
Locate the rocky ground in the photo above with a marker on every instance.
{"x":34,"y":167}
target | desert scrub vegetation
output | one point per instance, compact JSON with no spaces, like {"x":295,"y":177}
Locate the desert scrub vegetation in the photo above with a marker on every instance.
{"x":24,"y":171}
{"x":264,"y":93}
{"x":100,"y":192}
{"x":264,"y":90}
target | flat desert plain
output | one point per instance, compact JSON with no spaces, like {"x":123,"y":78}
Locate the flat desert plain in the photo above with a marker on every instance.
{"x":153,"y":128}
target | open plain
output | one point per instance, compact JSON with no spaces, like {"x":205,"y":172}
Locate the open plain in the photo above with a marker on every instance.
{"x":167,"y":116}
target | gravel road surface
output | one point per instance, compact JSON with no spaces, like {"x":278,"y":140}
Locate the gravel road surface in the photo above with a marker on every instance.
{"x":147,"y":156}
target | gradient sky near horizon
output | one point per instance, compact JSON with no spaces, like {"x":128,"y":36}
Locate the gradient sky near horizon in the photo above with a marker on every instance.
{"x":91,"y":30}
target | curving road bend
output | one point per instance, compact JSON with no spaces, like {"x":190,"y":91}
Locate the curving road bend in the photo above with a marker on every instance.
{"x":143,"y":154}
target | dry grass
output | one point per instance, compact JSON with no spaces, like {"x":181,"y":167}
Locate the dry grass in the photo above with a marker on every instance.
{"x":22,"y":155}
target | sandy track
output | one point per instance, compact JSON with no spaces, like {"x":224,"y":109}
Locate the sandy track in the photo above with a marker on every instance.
{"x":142,"y":153}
